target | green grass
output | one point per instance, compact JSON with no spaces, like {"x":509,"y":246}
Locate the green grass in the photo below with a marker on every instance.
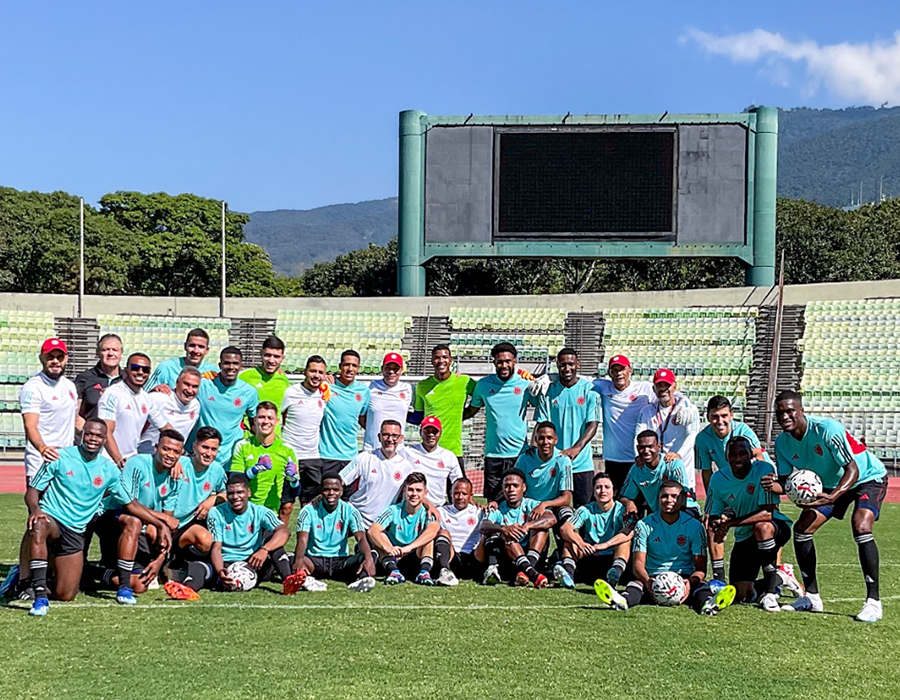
{"x":467,"y":642}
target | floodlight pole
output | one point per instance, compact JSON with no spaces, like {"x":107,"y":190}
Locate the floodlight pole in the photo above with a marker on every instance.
{"x":762,"y":272}
{"x":410,"y":273}
{"x":81,"y":258}
{"x":222,"y":294}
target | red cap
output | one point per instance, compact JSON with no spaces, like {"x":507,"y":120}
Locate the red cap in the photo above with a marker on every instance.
{"x":433,"y":421}
{"x":664,"y":375}
{"x":393,"y":357}
{"x":53,"y":344}
{"x":619,"y":360}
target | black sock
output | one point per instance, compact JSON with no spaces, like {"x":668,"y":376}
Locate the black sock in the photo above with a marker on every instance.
{"x":718,"y":569}
{"x":619,"y":564}
{"x":39,"y":577}
{"x":699,"y":596}
{"x":805,"y":551}
{"x":107,"y":575}
{"x":442,"y":553}
{"x":125,"y":567}
{"x":390,"y":564}
{"x":425,"y":564}
{"x":569,"y":565}
{"x":282,"y":562}
{"x":768,"y":554}
{"x":534,"y":556}
{"x":198,"y":574}
{"x":868,"y":560}
{"x":492,"y":546}
{"x":633,"y":593}
{"x":524,"y":563}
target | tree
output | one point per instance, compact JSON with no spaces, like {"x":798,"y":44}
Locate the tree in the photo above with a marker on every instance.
{"x":370,"y":272}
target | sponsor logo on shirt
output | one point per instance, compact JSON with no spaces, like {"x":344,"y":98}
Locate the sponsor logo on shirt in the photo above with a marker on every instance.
{"x":751,"y":489}
{"x":656,"y":539}
{"x":228,"y":527}
{"x":682,"y":540}
{"x":147,"y":484}
{"x":730,"y":496}
{"x":796,"y":457}
{"x":55,"y":398}
{"x":211,"y":398}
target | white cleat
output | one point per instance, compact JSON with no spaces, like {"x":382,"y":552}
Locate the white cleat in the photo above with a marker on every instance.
{"x":811,"y":602}
{"x":313,"y":585}
{"x":871,"y":611}
{"x":769,"y":603}
{"x":363,"y":585}
{"x":789,"y":582}
{"x":492,"y":576}
{"x":447,"y":578}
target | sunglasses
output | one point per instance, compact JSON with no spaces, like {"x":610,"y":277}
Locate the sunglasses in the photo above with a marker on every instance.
{"x":139,"y":368}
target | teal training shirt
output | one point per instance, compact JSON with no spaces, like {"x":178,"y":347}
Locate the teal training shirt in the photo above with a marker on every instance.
{"x":670,"y":547}
{"x":711,"y":448}
{"x":143,"y":483}
{"x":402,"y":527}
{"x":196,"y":487}
{"x":223,"y":408}
{"x":596,"y":526}
{"x":544,"y":481}
{"x":744,"y":496}
{"x":505,"y":404}
{"x":570,"y":409}
{"x":340,"y":424}
{"x":647,"y":481}
{"x":329,"y":532}
{"x":240,"y":535}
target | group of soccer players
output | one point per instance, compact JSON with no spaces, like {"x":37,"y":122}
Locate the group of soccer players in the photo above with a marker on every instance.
{"x":188,"y":474}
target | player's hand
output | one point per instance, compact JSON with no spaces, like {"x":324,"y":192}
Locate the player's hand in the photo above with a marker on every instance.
{"x":50,"y":453}
{"x":571,"y":452}
{"x":823,"y":499}
{"x":491,"y":506}
{"x":164,"y":537}
{"x":758,"y":452}
{"x":258,"y":558}
{"x":682,"y":415}
{"x":367,"y":567}
{"x":638,"y":460}
{"x":688,"y":583}
{"x":228,"y":583}
{"x":771,"y":484}
{"x":177,"y":471}
{"x":539,"y":386}
{"x":518,"y":531}
{"x":151,"y":572}
{"x":163,"y":389}
{"x":209,"y":374}
{"x":204,"y":508}
{"x":631,"y":509}
{"x":538,"y":511}
{"x":170,"y":521}
{"x":671,"y":456}
{"x":35,"y":517}
{"x":583,"y":549}
{"x":396,"y":552}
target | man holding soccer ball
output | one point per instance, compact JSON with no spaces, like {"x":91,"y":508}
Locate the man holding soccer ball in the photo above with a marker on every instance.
{"x":850,"y":475}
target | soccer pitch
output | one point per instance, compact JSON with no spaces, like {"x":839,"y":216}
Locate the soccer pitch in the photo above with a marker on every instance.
{"x":468,"y":642}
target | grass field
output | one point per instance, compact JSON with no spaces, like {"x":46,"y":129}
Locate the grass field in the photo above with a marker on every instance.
{"x":467,"y":642}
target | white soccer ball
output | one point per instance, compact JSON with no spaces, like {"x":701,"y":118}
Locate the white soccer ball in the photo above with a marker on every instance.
{"x":242,"y":574}
{"x":803,"y":486}
{"x":668,"y":588}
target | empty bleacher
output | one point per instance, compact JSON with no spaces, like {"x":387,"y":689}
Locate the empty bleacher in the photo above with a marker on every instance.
{"x":162,"y":337}
{"x":536,"y":333}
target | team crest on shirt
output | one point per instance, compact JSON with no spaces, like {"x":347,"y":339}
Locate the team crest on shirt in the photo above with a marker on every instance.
{"x":580,"y":401}
{"x":633,"y":397}
{"x":751,"y":489}
{"x":192,"y":415}
{"x":238,"y":402}
{"x":338,"y":526}
{"x":471,"y":521}
{"x":517,"y":390}
{"x":440,"y":464}
{"x":71,"y":396}
{"x":144,"y":408}
{"x":250,"y":528}
{"x":552,"y":471}
{"x":321,"y":403}
{"x":818,"y":450}
{"x":397,"y":476}
{"x":163,"y":490}
{"x":207,"y":486}
{"x":402,"y":394}
{"x":98,"y":481}
{"x":359,"y":397}
{"x":682,"y":540}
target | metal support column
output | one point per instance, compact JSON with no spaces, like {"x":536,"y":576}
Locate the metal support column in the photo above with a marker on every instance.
{"x":411,"y":214}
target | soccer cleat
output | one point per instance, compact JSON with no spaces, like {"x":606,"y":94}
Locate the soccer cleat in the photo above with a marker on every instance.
{"x":41,"y":607}
{"x":720,"y":601}
{"x":394,"y":578}
{"x":447,"y":578}
{"x":314,"y":585}
{"x":541,"y":581}
{"x":125,"y":596}
{"x":424,"y":579}
{"x":294,"y":582}
{"x":788,"y":581}
{"x":492,"y":576}
{"x":178,"y":591}
{"x":564,"y":577}
{"x":522,"y":579}
{"x":610,"y":595}
{"x":871,"y":611}
{"x":811,"y":602}
{"x":154,"y":584}
{"x":613,"y":576}
{"x":769,"y":603}
{"x":716,"y":585}
{"x":9,"y":584}
{"x":363,"y":585}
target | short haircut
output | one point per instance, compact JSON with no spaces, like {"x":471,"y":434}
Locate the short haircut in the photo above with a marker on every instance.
{"x":415,"y":478}
{"x":109,"y":336}
{"x":544,"y":424}
{"x":441,"y":346}
{"x":98,"y":421}
{"x":315,"y":359}
{"x":350,"y":352}
{"x":514,"y":471}
{"x":207,"y":432}
{"x":192,"y":371}
{"x":504,"y":347}
{"x":266,"y":406}
{"x":333,"y":477}
{"x":647,"y":434}
{"x":717,"y":402}
{"x":464,"y":480}
{"x":273,"y":342}
{"x":600,"y":475}
{"x":566,"y":351}
{"x":390,"y":421}
{"x":238,"y":478}
{"x":789,"y":395}
{"x":672,"y":484}
{"x":138,"y":354}
{"x":197,"y":333}
{"x":231,"y":350}
{"x":737,"y":439}
{"x":171,"y":434}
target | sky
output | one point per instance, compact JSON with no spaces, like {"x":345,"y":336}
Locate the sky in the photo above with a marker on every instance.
{"x":294,"y":105}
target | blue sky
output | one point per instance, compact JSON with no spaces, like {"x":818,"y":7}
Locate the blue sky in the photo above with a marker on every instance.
{"x":294,"y":105}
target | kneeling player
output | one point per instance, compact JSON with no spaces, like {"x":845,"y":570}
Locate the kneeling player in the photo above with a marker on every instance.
{"x":598,"y":537}
{"x":454,"y":548}
{"x":404,"y":533}
{"x":244,"y":531}
{"x":736,"y":499}
{"x":509,"y":537}
{"x":323,"y":531}
{"x":646,"y":479}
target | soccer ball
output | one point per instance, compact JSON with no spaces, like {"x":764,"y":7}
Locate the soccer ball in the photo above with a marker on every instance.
{"x":242,"y":574}
{"x":668,"y":588}
{"x":803,"y":486}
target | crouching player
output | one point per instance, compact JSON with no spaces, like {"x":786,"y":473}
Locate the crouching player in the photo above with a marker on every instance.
{"x":736,"y":499}
{"x":646,"y":479}
{"x":244,"y":531}
{"x":510,"y":539}
{"x":323,"y":531}
{"x":598,"y":537}
{"x":454,"y":548}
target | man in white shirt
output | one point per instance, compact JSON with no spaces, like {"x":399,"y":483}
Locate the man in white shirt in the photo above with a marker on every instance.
{"x":439,"y":465}
{"x":49,"y":402}
{"x":380,"y":474}
{"x":180,"y":408}
{"x":126,"y":408}
{"x":459,"y":535}
{"x":389,"y":399}
{"x":302,"y":410}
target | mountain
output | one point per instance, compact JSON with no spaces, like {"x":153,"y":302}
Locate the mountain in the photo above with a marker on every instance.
{"x":823,"y":156}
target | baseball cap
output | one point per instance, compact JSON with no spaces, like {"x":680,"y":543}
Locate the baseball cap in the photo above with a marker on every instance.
{"x":53,"y":344}
{"x":392,"y":357}
{"x":619,"y":360}
{"x":664,"y":375}
{"x":432,"y":421}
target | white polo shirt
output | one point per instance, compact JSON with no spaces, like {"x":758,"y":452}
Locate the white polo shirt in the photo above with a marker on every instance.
{"x":464,"y":526}
{"x":55,"y":403}
{"x":182,"y":417}
{"x":302,"y":411}
{"x":131,"y":410}
{"x":386,"y":403}
{"x":621,"y":411}
{"x":380,"y":480}
{"x":437,"y":466}
{"x":674,"y":438}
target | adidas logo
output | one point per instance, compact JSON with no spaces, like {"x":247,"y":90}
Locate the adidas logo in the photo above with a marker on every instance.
{"x":656,"y":539}
{"x":730,"y":496}
{"x":70,"y":473}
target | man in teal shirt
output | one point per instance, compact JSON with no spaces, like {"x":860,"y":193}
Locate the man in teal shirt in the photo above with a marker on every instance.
{"x":647,"y":478}
{"x":344,"y":410}
{"x":196,"y":348}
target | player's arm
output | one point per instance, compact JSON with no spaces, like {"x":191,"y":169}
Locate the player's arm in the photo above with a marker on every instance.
{"x":699,"y":574}
{"x":362,"y":543}
{"x":300,"y":549}
{"x":563,"y":499}
{"x":79,"y":419}
{"x":378,"y":538}
{"x":218,"y":565}
{"x":590,"y":430}
{"x":33,"y":435}
{"x":543,"y":522}
{"x":763,"y":515}
{"x":427,"y":535}
{"x":112,"y":447}
{"x":470,"y":411}
{"x":639,"y":568}
{"x":279,"y":538}
{"x":840,"y":450}
{"x":571,"y":535}
{"x":33,"y":503}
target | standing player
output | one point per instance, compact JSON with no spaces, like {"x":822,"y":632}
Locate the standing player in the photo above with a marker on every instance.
{"x":403,"y":535}
{"x":302,"y":410}
{"x":439,"y":465}
{"x":646,"y":479}
{"x":196,"y":348}
{"x":504,"y":396}
{"x":179,"y":408}
{"x":850,"y":475}
{"x":267,"y":378}
{"x":344,"y":413}
{"x":574,"y":409}
{"x":389,"y":399}
{"x":91,"y":383}
{"x":621,"y":401}
{"x":454,"y":548}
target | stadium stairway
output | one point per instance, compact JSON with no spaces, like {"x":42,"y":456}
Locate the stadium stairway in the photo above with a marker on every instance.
{"x":80,"y":335}
{"x":584,"y":333}
{"x":248,"y":334}
{"x":426,"y":332}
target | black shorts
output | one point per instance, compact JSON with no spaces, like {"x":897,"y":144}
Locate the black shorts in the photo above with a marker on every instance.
{"x":869,"y":495}
{"x":332,"y":467}
{"x":493,"y":470}
{"x":69,"y":542}
{"x":582,"y":488}
{"x":591,"y":568}
{"x":746,"y":563}
{"x":466,"y":566}
{"x":337,"y":568}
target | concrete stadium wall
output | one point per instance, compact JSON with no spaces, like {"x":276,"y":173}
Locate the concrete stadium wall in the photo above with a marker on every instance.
{"x":67,"y":304}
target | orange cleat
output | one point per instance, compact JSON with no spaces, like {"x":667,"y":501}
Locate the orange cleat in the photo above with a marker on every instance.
{"x":294,"y":583}
{"x":541,"y":581}
{"x":178,"y":591}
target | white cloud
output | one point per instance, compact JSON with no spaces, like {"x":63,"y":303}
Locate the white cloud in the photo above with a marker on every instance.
{"x":869,"y":72}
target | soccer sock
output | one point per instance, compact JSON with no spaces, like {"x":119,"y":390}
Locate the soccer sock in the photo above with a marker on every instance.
{"x":524,"y":563}
{"x":633,"y":593}
{"x":868,"y":560}
{"x":569,"y":565}
{"x":534,"y":556}
{"x":106,"y":576}
{"x":426,"y":563}
{"x":39,"y":577}
{"x":700,"y":596}
{"x":718,"y":569}
{"x":125,"y":568}
{"x":619,"y":564}
{"x":805,"y":551}
{"x":492,"y":545}
{"x":198,"y":574}
{"x":768,"y":553}
{"x":442,"y":553}
{"x":390,"y":564}
{"x":282,"y":562}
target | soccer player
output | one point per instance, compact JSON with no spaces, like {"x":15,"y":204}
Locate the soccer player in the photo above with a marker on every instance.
{"x":201,"y":489}
{"x":267,"y":378}
{"x":510,"y":539}
{"x":91,"y":383}
{"x":850,"y":475}
{"x":439,"y":465}
{"x":444,"y":396}
{"x":573,"y":407}
{"x":224,"y":403}
{"x":323,"y":532}
{"x":454,"y":548}
{"x":504,"y":396}
{"x":344,"y":413}
{"x":269,"y":463}
{"x":196,"y":348}
{"x":676,"y":420}
{"x":389,"y":399}
{"x":126,"y":408}
{"x":621,"y":401}
{"x":180,"y":408}
{"x":244,"y":531}
{"x":548,"y":474}
{"x":403,"y":535}
{"x":302,"y":410}
{"x":596,"y":539}
{"x":380,"y":474}
{"x":646,"y":479}
{"x":736,"y":500}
